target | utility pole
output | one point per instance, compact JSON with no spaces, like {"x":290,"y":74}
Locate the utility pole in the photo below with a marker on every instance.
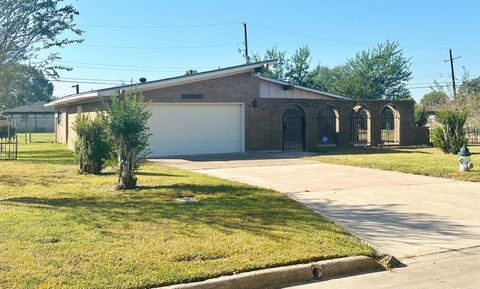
{"x":247,"y":59}
{"x":77,"y":88}
{"x":453,"y":72}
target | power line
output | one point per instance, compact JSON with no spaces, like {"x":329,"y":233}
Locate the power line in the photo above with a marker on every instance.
{"x":136,"y":66}
{"x":158,"y":48}
{"x":158,"y":26}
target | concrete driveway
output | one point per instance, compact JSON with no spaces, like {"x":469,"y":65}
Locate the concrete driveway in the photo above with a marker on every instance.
{"x":400,"y":214}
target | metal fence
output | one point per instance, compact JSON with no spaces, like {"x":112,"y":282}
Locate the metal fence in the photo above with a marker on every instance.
{"x":473,"y":136}
{"x":8,"y":148}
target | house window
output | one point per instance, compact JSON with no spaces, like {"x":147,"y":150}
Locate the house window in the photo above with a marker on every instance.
{"x":59,"y":118}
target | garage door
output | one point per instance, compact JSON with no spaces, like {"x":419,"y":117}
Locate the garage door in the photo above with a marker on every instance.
{"x":187,"y":129}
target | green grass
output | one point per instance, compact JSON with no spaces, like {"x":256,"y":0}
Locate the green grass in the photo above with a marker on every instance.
{"x":414,"y":160}
{"x":43,"y":137}
{"x":59,"y":229}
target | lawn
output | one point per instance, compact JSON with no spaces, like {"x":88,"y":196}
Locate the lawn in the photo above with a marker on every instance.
{"x":59,"y":229}
{"x":414,"y":160}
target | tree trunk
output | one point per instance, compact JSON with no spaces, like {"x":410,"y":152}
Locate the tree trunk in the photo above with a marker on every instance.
{"x":126,"y":179}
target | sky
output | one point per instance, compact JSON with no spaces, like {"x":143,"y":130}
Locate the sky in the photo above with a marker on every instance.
{"x":126,"y":40}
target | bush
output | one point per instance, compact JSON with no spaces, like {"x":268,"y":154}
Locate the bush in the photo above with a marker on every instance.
{"x":450,"y":136}
{"x":420,"y":116}
{"x":93,"y":147}
{"x":127,"y":119}
{"x":5,"y":131}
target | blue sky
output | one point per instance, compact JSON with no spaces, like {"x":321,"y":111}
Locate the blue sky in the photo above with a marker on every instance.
{"x":125,"y":39}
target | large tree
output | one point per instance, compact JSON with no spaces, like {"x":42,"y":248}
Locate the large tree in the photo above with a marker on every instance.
{"x":434,"y":97}
{"x":20,"y":84}
{"x":28,"y":27}
{"x":379,"y":73}
{"x":294,"y":69}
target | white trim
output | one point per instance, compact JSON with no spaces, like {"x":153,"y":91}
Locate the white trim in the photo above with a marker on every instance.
{"x":302,"y":87}
{"x":163,"y":82}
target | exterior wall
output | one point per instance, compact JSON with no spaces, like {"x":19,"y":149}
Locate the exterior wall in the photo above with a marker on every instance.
{"x":275,"y":90}
{"x":60,"y":127}
{"x":264,"y":116}
{"x":268,"y":115}
{"x":40,"y":122}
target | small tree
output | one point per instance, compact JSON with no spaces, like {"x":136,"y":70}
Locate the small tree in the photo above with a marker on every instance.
{"x":127,"y":119}
{"x":93,"y":147}
{"x":450,"y":136}
{"x":421,"y":116}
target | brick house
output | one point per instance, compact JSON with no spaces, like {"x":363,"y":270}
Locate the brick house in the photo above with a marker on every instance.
{"x":235,"y":109}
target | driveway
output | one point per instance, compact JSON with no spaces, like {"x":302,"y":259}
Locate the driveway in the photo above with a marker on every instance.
{"x":400,"y":214}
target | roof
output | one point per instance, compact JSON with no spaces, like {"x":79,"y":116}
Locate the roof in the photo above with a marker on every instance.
{"x":303,"y":87}
{"x":35,"y":107}
{"x":166,"y":82}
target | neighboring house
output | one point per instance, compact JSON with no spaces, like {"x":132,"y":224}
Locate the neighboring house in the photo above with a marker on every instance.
{"x":31,"y":117}
{"x":235,"y":109}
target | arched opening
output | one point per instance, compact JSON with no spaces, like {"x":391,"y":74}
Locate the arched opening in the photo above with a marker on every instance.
{"x":294,"y":129}
{"x":390,"y":126}
{"x":360,"y":128}
{"x":327,"y":126}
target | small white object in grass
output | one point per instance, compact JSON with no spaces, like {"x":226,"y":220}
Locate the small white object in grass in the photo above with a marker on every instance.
{"x":187,"y":200}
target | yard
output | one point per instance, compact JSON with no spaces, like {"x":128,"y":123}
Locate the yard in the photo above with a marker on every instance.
{"x":414,"y":160}
{"x":59,"y":229}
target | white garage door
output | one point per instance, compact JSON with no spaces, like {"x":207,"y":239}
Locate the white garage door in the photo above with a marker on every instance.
{"x":187,"y":129}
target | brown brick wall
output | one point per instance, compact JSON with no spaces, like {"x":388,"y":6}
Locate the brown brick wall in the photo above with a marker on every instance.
{"x":263,"y":123}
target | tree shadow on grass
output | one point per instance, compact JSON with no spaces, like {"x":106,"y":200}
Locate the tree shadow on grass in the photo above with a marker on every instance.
{"x":224,"y":208}
{"x":47,"y":156}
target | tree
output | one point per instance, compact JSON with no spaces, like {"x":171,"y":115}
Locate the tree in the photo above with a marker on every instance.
{"x":421,"y":116}
{"x":20,"y":84}
{"x":379,"y":73}
{"x":279,"y":70}
{"x":434,"y":97}
{"x":28,"y":27}
{"x":298,"y":66}
{"x":327,"y":79}
{"x":127,"y":122}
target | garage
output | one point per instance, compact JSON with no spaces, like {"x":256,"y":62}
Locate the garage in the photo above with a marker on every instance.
{"x":200,"y":128}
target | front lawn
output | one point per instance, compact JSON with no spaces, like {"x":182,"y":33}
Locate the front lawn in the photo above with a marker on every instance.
{"x":414,"y":160}
{"x":59,"y":229}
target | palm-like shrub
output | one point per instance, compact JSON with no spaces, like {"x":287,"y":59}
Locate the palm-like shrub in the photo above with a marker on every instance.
{"x":127,"y":120}
{"x":450,"y":136}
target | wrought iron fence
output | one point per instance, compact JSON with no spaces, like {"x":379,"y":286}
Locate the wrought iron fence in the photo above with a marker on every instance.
{"x":473,"y":136}
{"x":8,"y":148}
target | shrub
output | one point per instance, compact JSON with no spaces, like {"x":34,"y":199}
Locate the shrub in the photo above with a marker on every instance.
{"x":5,"y":131}
{"x":450,"y":136}
{"x":420,"y":116}
{"x":127,"y":119}
{"x":93,"y":147}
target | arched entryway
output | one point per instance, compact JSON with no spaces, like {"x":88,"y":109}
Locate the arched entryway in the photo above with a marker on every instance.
{"x":390,"y":125}
{"x":360,"y":128}
{"x":294,"y":129}
{"x":327,"y":126}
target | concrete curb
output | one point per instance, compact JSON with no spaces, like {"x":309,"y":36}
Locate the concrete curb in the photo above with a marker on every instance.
{"x":288,"y":275}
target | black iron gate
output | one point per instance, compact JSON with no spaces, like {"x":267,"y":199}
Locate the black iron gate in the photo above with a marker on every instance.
{"x":293,"y":130}
{"x":8,"y":148}
{"x":327,"y":127}
{"x":388,"y":126}
{"x":359,"y":127}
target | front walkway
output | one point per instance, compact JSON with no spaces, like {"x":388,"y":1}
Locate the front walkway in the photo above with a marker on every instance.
{"x":400,"y":214}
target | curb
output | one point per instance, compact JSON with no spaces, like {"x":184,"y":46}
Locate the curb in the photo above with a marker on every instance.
{"x":288,"y":275}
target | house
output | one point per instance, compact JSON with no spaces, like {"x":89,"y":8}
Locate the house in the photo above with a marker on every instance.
{"x":31,"y":117}
{"x":236,"y":109}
